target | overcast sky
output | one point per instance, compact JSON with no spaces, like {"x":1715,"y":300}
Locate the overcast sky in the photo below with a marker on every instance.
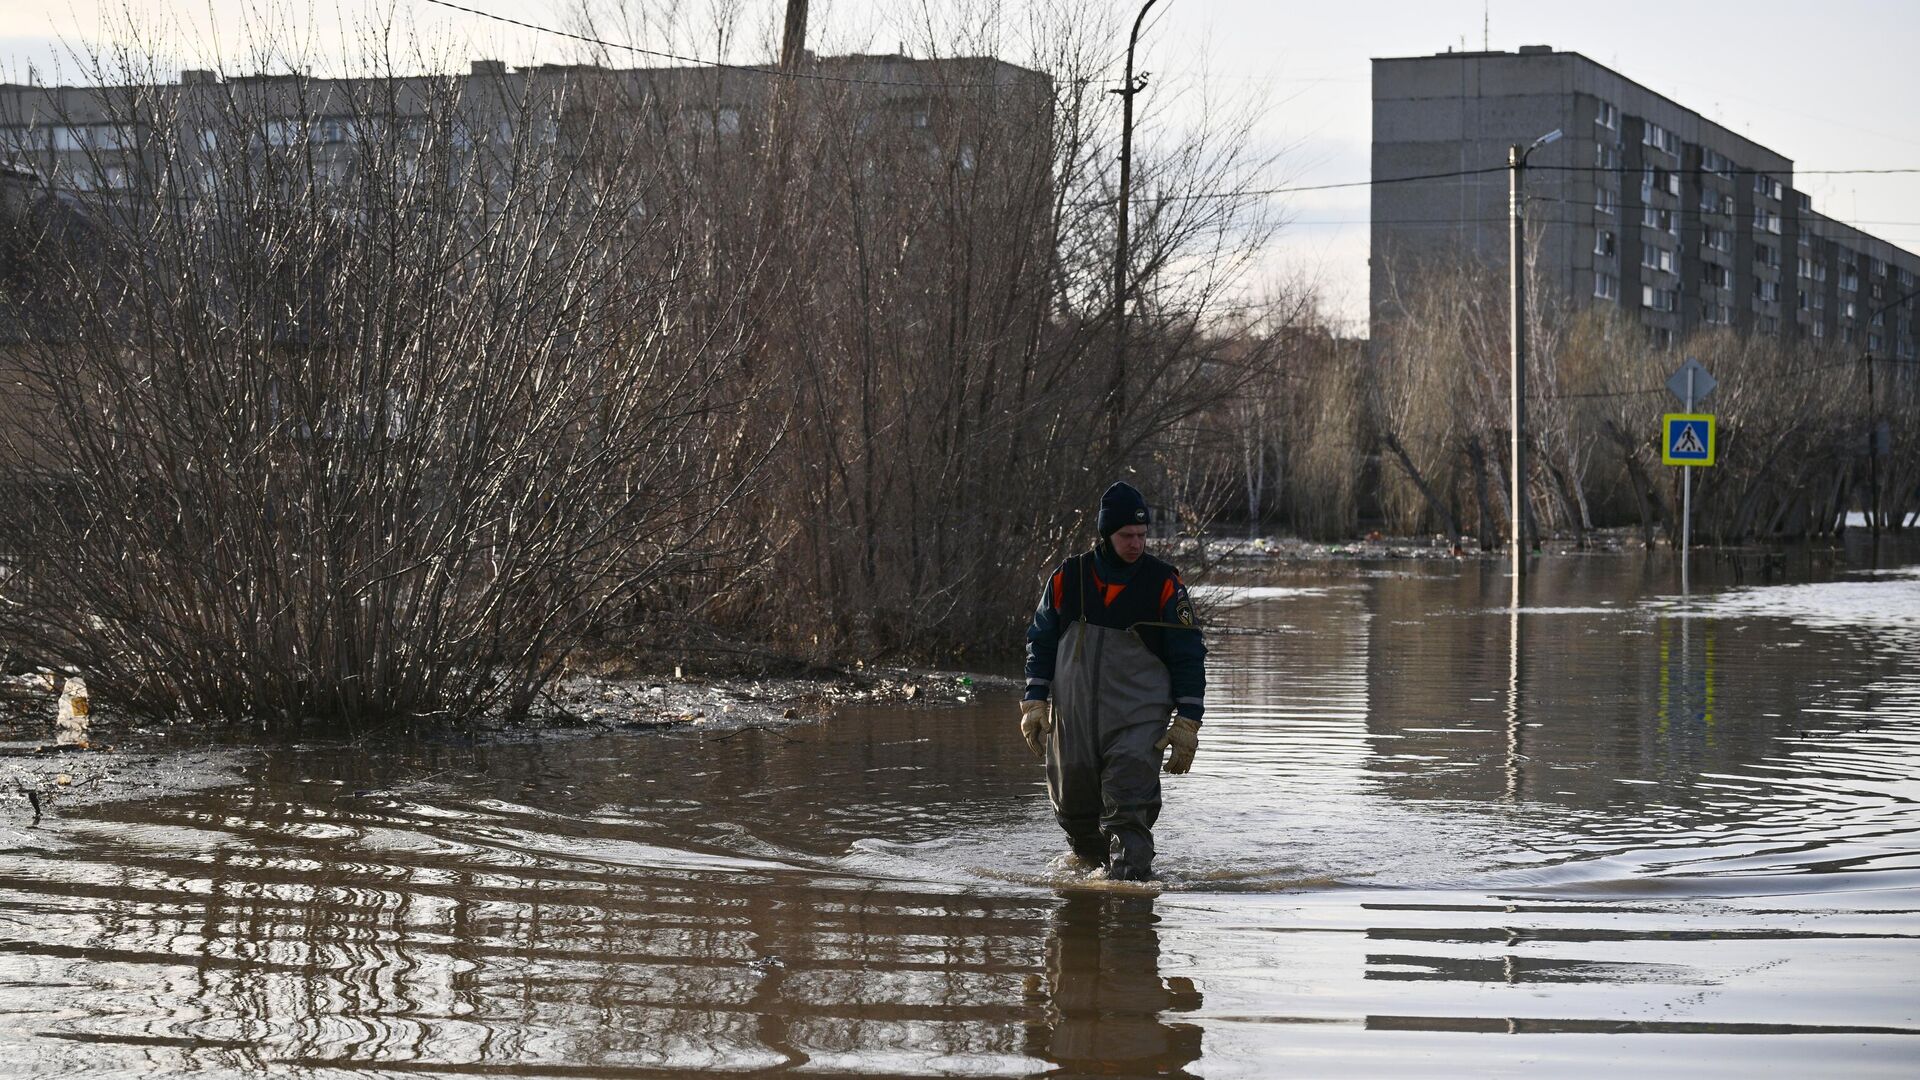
{"x":1829,"y":84}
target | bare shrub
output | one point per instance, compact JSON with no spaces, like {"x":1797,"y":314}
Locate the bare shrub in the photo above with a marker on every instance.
{"x":374,"y":398}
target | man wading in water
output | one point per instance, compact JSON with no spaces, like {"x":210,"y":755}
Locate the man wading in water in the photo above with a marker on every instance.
{"x":1114,"y":646}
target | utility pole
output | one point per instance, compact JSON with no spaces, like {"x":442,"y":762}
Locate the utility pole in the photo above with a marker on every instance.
{"x":1517,"y":345}
{"x":1873,"y":453}
{"x":1117,"y":387}
{"x":1517,"y":337}
{"x":793,"y":46}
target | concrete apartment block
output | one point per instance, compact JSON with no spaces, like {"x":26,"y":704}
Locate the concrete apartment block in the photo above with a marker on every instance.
{"x":1643,"y":203}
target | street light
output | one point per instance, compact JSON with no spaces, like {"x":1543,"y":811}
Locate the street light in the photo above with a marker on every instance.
{"x":1516,"y":162}
{"x":1117,"y":389}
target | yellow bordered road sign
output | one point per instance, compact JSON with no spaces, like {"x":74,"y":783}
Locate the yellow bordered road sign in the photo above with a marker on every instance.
{"x":1687,"y":439}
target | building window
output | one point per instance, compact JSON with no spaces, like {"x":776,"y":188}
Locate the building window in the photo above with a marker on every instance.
{"x":1767,"y":255}
{"x":1608,"y":116}
{"x":1819,"y":301}
{"x":1715,"y":275}
{"x":1718,"y":240}
{"x":1657,"y":299}
{"x":1606,"y":286}
{"x":1656,"y":258}
{"x":22,"y":138}
{"x":93,"y":137}
{"x":1767,"y":186}
{"x":1605,"y":201}
{"x":1606,"y":155}
{"x":1603,"y":243}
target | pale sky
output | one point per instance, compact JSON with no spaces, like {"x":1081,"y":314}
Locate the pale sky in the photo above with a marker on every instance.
{"x":1830,"y":84}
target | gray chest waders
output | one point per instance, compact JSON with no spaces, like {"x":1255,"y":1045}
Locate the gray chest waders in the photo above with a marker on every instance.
{"x":1112,"y":700}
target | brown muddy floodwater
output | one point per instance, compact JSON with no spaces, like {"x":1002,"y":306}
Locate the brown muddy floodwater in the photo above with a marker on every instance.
{"x":1656,"y":838}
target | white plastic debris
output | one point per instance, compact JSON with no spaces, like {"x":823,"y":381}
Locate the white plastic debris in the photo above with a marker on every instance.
{"x":75,"y":712}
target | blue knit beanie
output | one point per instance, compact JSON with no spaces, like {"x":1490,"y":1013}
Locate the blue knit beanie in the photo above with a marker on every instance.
{"x":1120,"y":507}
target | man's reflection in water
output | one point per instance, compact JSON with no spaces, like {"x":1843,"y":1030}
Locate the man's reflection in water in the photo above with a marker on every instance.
{"x":1105,"y":1001}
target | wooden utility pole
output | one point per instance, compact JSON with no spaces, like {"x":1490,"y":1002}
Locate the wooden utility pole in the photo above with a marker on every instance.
{"x":793,"y":46}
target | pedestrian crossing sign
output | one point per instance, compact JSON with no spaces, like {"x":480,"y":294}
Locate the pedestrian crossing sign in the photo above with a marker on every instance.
{"x":1688,"y":439}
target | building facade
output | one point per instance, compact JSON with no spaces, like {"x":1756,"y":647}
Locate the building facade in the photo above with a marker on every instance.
{"x":1642,"y":204}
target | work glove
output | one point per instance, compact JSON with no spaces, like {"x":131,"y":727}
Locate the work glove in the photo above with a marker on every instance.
{"x":1184,"y":736}
{"x":1036,"y":723}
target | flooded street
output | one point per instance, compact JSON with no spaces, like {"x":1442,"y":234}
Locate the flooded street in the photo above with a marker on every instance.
{"x":1645,"y":834}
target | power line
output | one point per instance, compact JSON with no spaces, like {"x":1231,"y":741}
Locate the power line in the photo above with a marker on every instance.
{"x":1258,"y":192}
{"x":1254,"y":193}
{"x":778,"y":73}
{"x":1724,"y":174}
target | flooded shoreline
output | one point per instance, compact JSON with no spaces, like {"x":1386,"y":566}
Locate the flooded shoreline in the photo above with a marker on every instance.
{"x":1674,"y":835}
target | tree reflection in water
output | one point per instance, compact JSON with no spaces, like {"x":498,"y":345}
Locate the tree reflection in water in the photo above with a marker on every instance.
{"x":1105,"y":1001}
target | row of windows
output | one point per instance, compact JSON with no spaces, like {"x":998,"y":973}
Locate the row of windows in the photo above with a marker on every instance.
{"x":323,"y":131}
{"x":1654,"y":179}
{"x":30,"y":137}
{"x":1715,"y":202}
{"x":1661,"y":139}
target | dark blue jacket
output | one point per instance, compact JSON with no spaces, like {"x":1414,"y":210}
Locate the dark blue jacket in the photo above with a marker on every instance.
{"x":1122,"y":597}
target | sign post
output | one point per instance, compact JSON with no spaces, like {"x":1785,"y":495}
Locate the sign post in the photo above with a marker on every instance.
{"x":1688,"y":439}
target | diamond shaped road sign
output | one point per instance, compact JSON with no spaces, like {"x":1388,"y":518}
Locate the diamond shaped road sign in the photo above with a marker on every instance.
{"x":1703,"y":383}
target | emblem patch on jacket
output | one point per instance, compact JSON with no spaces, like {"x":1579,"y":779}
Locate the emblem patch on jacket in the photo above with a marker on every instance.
{"x":1184,"y":612}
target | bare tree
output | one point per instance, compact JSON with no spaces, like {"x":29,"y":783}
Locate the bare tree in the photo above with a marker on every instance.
{"x":376,"y":395}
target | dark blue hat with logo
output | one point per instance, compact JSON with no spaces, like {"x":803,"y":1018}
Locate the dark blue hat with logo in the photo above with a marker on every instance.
{"x":1120,"y":507}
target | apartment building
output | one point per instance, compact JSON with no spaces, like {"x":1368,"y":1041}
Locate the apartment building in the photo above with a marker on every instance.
{"x":1642,"y":204}
{"x":80,"y":138}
